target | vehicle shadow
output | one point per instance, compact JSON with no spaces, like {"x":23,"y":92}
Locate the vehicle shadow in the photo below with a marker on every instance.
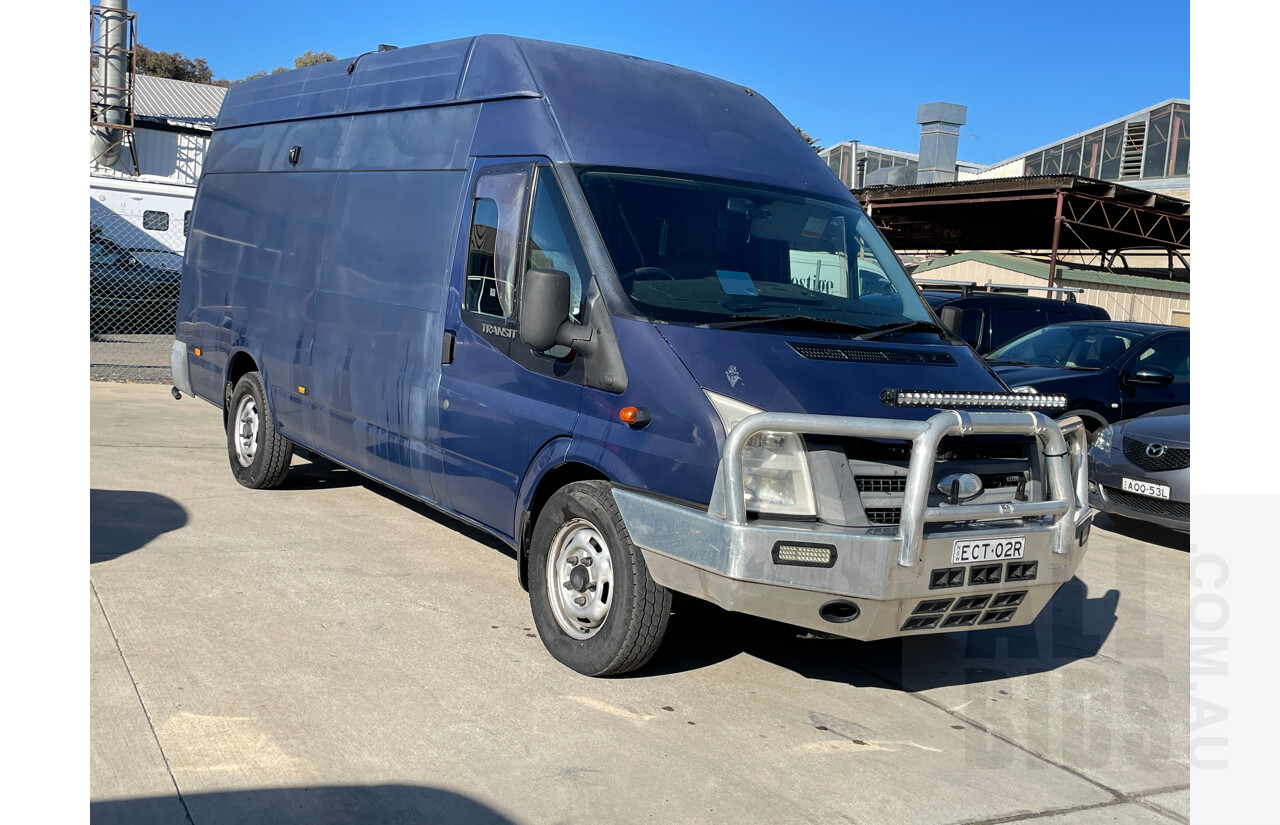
{"x":319,"y":805}
{"x":439,"y":517}
{"x":1072,"y":627}
{"x":319,"y":473}
{"x":121,"y":521}
{"x":1143,"y":531}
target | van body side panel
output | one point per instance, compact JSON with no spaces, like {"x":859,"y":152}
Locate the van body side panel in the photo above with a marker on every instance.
{"x":676,"y":453}
{"x":379,"y":322}
{"x":254,"y":254}
{"x":513,"y":128}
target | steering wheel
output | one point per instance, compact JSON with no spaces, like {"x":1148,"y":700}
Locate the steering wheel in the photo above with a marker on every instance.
{"x":643,"y":273}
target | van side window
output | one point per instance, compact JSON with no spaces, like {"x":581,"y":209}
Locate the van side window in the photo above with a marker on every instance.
{"x":553,"y":243}
{"x":492,"y":243}
{"x":155,"y":220}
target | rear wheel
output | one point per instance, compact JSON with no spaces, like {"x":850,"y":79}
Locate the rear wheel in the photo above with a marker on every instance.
{"x":596,"y":608}
{"x":259,"y":455}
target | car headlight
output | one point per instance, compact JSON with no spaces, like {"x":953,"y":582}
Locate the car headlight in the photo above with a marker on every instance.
{"x":775,"y":466}
{"x":1102,"y":443}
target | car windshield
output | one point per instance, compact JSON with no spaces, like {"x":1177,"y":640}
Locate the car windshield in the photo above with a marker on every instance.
{"x":1069,"y":346}
{"x":706,"y":252}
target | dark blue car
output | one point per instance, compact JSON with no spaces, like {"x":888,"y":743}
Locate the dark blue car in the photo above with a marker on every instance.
{"x":1108,"y":370}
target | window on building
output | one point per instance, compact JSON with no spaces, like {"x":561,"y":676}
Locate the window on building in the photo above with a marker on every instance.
{"x":1053,"y":161}
{"x":1157,"y":151}
{"x":1033,"y":164}
{"x":1180,"y":141}
{"x":1091,"y":155}
{"x":1071,"y":157}
{"x":1112,"y":152}
{"x":155,"y":220}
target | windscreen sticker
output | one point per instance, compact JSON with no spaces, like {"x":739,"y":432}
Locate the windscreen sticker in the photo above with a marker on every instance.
{"x":814,"y":227}
{"x":736,"y":283}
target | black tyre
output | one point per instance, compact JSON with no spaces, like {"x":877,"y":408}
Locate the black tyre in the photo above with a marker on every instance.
{"x":259,"y":455}
{"x":594,"y":603}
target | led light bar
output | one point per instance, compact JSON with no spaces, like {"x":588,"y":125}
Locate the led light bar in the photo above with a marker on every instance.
{"x":804,"y":555}
{"x":946,"y":400}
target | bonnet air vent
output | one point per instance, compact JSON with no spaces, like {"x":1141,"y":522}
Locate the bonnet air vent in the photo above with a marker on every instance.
{"x":871,"y":355}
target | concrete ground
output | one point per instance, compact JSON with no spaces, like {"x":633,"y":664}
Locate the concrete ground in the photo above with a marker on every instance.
{"x":332,"y":653}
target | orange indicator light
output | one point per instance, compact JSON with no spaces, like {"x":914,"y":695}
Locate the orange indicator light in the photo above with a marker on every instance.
{"x":635,"y":416}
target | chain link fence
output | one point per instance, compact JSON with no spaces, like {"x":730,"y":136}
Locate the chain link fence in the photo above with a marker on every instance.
{"x":135,"y":264}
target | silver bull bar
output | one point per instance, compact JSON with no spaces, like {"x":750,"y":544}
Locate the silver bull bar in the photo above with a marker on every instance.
{"x":1064,"y":447}
{"x":882,"y":581}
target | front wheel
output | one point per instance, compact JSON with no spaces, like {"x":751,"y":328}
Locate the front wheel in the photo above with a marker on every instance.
{"x":596,"y":608}
{"x":259,"y":455}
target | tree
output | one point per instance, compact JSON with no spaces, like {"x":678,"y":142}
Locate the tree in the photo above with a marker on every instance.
{"x":310,"y":58}
{"x":171,"y":65}
{"x":812,"y":141}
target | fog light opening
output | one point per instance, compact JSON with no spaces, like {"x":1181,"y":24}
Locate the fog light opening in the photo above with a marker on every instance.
{"x":839,"y":612}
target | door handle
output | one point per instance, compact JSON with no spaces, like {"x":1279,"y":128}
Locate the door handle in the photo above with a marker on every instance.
{"x":446,"y":347}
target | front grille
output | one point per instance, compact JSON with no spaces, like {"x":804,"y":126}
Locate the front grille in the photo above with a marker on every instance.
{"x":1022,"y":571}
{"x":972,"y":602}
{"x":960,"y":620}
{"x":996,"y":616}
{"x":898,"y":484}
{"x":967,"y":611}
{"x":884,"y":515}
{"x":873,"y":355}
{"x":1147,"y":504}
{"x":946,"y":577}
{"x":1174,"y":458}
{"x":952,"y":448}
{"x":985,"y":574}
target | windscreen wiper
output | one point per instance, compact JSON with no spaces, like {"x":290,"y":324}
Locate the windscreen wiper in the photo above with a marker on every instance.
{"x":799,"y":321}
{"x":909,"y":326}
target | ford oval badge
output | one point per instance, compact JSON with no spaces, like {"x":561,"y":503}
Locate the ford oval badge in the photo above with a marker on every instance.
{"x":959,"y":487}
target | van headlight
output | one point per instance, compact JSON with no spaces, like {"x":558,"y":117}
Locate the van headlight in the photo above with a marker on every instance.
{"x":775,"y":466}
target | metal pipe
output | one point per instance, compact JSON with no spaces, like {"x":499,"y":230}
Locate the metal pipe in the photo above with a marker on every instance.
{"x":1060,"y":500}
{"x":1057,"y":228}
{"x":112,"y":51}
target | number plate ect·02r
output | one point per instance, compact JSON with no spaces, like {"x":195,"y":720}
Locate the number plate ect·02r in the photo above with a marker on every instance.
{"x":1000,"y":548}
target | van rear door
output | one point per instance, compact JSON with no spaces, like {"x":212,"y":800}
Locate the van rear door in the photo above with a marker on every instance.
{"x":500,"y":402}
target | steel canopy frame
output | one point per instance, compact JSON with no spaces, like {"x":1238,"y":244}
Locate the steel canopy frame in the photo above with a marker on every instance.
{"x":1004,"y":214}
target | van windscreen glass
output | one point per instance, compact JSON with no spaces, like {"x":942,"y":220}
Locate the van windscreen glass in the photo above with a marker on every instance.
{"x":704,"y":252}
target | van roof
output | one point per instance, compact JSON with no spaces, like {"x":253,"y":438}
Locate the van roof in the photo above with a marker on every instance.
{"x":595,"y":107}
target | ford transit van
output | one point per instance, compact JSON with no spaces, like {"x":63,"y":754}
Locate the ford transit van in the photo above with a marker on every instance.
{"x":616,"y":314}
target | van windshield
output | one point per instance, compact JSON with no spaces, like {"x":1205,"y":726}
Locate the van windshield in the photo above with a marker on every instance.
{"x":709,"y":252}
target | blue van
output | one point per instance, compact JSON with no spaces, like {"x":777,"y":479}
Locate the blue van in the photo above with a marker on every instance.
{"x":611,"y":312}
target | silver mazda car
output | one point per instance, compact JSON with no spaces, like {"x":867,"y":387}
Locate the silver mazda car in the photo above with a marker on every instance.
{"x":1140,"y":469}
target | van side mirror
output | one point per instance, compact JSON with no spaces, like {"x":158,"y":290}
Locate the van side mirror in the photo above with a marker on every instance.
{"x":544,"y":306}
{"x":1151,"y":376}
{"x":953,"y":318}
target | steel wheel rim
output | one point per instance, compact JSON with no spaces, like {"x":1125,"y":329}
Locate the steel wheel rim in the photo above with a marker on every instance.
{"x":246,"y":425}
{"x":579,"y":579}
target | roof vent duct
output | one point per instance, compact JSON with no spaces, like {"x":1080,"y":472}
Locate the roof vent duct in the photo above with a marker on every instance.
{"x":939,"y":137}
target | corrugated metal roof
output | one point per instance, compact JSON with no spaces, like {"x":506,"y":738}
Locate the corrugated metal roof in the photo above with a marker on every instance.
{"x":195,"y":104}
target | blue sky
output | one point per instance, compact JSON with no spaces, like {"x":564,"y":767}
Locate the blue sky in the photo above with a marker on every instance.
{"x":1030,"y":73}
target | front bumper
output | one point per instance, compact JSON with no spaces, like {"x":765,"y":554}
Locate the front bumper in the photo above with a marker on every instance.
{"x":882,"y":581}
{"x":1106,"y":494}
